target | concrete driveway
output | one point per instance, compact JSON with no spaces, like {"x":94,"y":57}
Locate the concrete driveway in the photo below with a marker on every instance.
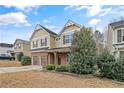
{"x":18,"y":69}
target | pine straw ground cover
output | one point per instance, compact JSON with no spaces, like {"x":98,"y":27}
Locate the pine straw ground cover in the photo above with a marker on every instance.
{"x":37,"y":79}
{"x":7,"y":63}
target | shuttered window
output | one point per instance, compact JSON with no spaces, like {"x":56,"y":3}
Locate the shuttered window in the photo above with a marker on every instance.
{"x":36,"y":43}
{"x":44,"y":41}
{"x":67,"y":39}
{"x":119,"y":36}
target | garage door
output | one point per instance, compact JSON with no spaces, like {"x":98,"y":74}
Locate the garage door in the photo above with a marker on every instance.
{"x":44,"y":60}
{"x":35,"y":60}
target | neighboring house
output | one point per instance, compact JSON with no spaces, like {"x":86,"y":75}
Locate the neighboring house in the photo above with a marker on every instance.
{"x":6,"y":50}
{"x":48,"y":47}
{"x":115,"y":38}
{"x":21,"y":46}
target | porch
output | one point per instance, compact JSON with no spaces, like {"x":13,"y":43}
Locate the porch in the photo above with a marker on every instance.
{"x":51,"y":56}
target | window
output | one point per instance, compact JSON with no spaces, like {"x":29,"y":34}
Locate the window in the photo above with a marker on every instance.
{"x":67,"y":39}
{"x":44,"y":42}
{"x":58,"y":41}
{"x":15,"y":47}
{"x":19,"y":45}
{"x":120,"y":35}
{"x":35,"y":43}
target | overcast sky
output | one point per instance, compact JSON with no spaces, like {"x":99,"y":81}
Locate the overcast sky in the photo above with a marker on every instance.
{"x":20,"y":21}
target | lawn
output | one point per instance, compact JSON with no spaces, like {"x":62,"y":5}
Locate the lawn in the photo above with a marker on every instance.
{"x":7,"y":63}
{"x":37,"y":79}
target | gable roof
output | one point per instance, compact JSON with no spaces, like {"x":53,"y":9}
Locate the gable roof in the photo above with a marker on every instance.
{"x":69,"y":22}
{"x":117,"y":24}
{"x":6,"y":45}
{"x":38,"y":27}
{"x":22,"y":41}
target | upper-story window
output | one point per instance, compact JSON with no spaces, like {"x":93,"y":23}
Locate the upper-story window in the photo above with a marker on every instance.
{"x":67,"y":39}
{"x":120,"y":35}
{"x":35,"y":43}
{"x":17,"y":46}
{"x":44,"y":41}
{"x":58,"y":41}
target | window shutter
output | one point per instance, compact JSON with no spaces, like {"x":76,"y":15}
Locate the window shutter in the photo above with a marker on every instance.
{"x":41,"y":42}
{"x":63,"y":39}
{"x":33,"y":44}
{"x":37,"y":43}
{"x":45,"y":41}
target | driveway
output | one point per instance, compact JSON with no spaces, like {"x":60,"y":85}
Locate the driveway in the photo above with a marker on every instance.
{"x":18,"y":69}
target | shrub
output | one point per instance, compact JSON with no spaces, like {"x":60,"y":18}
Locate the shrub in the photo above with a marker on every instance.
{"x":105,"y":57}
{"x":61,"y":68}
{"x":118,"y":70}
{"x":106,"y":70}
{"x":25,"y":60}
{"x":50,"y":67}
{"x":19,"y":56}
{"x":105,"y":62}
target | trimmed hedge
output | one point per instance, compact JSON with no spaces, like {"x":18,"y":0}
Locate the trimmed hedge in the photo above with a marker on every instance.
{"x":50,"y":67}
{"x":25,"y":60}
{"x":61,"y":68}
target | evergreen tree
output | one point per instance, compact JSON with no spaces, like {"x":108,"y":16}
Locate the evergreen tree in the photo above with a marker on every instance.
{"x":83,"y":51}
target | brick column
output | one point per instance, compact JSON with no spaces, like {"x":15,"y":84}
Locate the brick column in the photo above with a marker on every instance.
{"x":32,"y":60}
{"x":40,"y":60}
{"x":55,"y":58}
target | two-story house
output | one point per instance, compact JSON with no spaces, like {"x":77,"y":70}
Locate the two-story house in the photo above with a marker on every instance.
{"x":115,"y":38}
{"x":21,"y":46}
{"x":48,"y":47}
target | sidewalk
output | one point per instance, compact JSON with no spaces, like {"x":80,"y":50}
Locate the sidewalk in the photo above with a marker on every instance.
{"x":18,"y":69}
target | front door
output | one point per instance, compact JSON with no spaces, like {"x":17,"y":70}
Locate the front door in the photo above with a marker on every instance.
{"x":59,"y":60}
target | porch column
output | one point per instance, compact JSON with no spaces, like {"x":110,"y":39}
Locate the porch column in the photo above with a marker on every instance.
{"x":32,"y":60}
{"x":55,"y":58}
{"x":40,"y":60}
{"x":48,"y":59}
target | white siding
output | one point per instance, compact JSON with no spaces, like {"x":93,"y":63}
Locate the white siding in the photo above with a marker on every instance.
{"x":3,"y":50}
